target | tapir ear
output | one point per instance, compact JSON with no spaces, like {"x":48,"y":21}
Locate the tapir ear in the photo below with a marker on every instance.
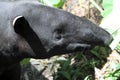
{"x":17,"y":18}
{"x":22,"y":27}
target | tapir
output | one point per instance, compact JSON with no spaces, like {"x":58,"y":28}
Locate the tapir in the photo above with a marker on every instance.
{"x":29,"y":29}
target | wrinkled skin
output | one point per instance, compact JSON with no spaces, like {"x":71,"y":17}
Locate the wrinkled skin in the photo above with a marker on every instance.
{"x":31,"y":30}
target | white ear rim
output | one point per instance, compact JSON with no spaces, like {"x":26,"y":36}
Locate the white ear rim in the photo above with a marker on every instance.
{"x":15,"y":19}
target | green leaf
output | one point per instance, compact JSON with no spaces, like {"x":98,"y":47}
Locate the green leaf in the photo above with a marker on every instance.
{"x":25,"y":61}
{"x":96,"y":54}
{"x":107,"y":6}
{"x":110,"y":78}
{"x":87,"y":77}
{"x":65,"y":74}
{"x":118,"y":47}
{"x":54,"y":3}
{"x":117,"y":73}
{"x":116,"y":39}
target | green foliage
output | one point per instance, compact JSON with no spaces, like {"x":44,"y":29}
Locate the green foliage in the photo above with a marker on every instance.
{"x":100,"y":52}
{"x":107,"y":6}
{"x":87,"y":77}
{"x":66,"y":71}
{"x":25,"y":61}
{"x":53,"y":3}
{"x":118,"y":47}
{"x":113,"y":72}
{"x":80,"y":66}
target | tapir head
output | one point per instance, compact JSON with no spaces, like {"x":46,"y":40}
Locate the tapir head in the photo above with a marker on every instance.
{"x":50,"y":31}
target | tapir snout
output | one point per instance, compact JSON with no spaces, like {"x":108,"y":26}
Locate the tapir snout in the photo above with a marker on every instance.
{"x":77,"y":33}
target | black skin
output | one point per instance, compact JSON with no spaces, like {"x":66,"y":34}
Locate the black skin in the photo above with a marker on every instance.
{"x":31,"y":30}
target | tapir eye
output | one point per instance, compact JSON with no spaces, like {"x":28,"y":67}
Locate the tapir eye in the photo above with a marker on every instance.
{"x":58,"y":34}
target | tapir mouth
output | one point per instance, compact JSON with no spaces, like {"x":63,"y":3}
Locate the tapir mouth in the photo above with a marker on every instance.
{"x":77,"y":46}
{"x":71,"y":47}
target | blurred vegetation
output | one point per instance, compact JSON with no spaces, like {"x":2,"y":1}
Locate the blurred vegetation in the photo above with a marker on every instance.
{"x":81,"y":65}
